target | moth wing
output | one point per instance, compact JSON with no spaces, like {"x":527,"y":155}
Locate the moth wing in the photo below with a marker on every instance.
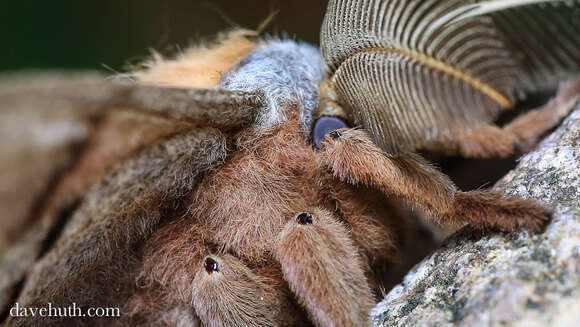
{"x":39,"y":136}
{"x":115,"y":217}
{"x":412,"y":72}
{"x":38,"y":140}
{"x":46,"y":116}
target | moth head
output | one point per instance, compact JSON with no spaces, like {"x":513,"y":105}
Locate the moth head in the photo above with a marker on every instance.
{"x":329,"y":116}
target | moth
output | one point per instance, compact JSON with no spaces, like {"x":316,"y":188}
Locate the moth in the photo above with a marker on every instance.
{"x":259,"y":181}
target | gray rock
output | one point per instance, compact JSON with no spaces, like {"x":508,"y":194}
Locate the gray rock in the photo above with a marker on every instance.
{"x":507,"y":279}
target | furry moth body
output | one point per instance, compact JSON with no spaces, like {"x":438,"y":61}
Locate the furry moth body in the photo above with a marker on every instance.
{"x":199,"y":198}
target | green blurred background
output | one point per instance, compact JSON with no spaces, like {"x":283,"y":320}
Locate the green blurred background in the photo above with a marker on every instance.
{"x":91,"y":34}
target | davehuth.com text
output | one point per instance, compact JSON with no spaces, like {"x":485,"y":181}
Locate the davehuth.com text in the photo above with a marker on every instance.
{"x":71,"y":311}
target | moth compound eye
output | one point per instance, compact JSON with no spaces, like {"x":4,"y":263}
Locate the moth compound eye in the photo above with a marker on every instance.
{"x":304,"y":218}
{"x":323,"y":126}
{"x":210,"y":265}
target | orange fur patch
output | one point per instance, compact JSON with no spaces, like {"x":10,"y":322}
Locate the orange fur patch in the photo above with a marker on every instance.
{"x":200,"y":66}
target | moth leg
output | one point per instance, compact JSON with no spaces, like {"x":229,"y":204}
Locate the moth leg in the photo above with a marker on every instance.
{"x":219,"y":289}
{"x":523,"y":133}
{"x":353,"y":157}
{"x":489,"y":209}
{"x":181,"y":273}
{"x":320,"y":263}
{"x":227,"y":293}
{"x":531,"y":126}
{"x":370,"y":219}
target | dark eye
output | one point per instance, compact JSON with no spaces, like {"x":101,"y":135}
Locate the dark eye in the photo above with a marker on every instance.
{"x":210,"y":265}
{"x":323,"y":126}
{"x":304,"y":218}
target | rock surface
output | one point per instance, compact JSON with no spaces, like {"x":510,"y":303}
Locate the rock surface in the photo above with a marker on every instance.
{"x":506,"y":279}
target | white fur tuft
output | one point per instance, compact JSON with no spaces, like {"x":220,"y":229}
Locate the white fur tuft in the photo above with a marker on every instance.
{"x":287,"y":72}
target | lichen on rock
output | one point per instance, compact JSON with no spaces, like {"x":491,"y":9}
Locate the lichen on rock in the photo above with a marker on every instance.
{"x":508,"y":279}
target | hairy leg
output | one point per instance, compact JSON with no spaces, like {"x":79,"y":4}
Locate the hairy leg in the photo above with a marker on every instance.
{"x":520,"y":135}
{"x":182,"y":276}
{"x":353,"y":157}
{"x":179,"y":268}
{"x":372,"y":222}
{"x":324,"y":271}
{"x":489,"y":209}
{"x":183,"y":271}
{"x":227,"y":293}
